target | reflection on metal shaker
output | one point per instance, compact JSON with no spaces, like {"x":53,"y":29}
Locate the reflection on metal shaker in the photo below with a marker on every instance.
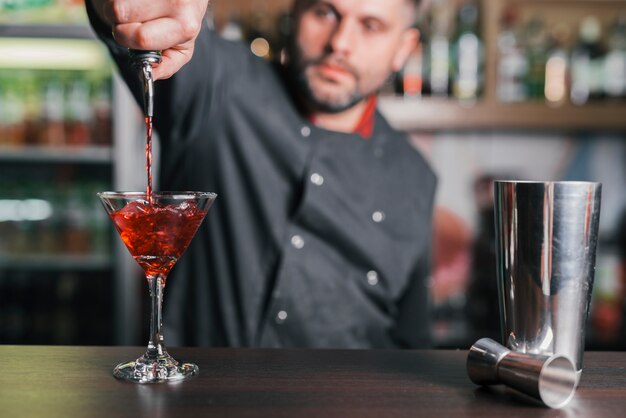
{"x":546,"y":236}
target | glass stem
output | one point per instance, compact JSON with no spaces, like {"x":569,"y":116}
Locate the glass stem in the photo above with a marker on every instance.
{"x":156,"y":348}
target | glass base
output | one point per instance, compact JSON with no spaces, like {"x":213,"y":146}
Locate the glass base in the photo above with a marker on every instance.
{"x":155,"y":370}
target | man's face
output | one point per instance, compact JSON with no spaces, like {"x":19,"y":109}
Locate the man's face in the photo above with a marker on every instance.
{"x":344,"y":50}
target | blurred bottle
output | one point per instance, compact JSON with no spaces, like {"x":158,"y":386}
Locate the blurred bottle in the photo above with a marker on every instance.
{"x":512,"y":60}
{"x":438,"y":49}
{"x":536,"y":41}
{"x":4,"y":120}
{"x":31,"y":97}
{"x":48,"y":234}
{"x":79,"y":113}
{"x":57,"y":220}
{"x":615,"y":62}
{"x":587,"y":63}
{"x":76,"y":237}
{"x":39,"y":238}
{"x":6,"y":226}
{"x":467,"y":55}
{"x":14,"y":114}
{"x":412,"y":76}
{"x":101,"y":132}
{"x":439,"y":66}
{"x":52,"y":131}
{"x":22,"y":242}
{"x":4,"y":229}
{"x":557,"y":66}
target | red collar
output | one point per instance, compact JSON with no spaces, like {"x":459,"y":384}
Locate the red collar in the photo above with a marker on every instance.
{"x":365,"y":125}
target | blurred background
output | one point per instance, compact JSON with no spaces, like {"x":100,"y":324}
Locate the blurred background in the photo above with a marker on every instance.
{"x":497,"y":89}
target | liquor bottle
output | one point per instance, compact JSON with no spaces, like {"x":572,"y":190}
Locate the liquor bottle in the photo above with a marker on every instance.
{"x":557,"y":66}
{"x":467,"y":55}
{"x":437,"y":50}
{"x":587,"y":63}
{"x":536,"y":42}
{"x":79,"y":114}
{"x":615,"y":62}
{"x":439,"y":66}
{"x":48,"y":231}
{"x":512,"y":60}
{"x":412,"y":77}
{"x":52,"y":131}
{"x":14,"y":114}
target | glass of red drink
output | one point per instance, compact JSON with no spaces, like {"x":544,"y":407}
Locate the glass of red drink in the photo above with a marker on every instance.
{"x":156,"y":229}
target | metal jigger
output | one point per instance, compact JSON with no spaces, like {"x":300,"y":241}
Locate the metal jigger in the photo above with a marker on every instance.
{"x":550,"y":379}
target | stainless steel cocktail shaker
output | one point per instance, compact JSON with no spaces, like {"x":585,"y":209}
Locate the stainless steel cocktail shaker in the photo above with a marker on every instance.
{"x":546,"y":236}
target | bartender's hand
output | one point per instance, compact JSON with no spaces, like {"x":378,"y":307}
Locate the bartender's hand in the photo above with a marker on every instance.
{"x":170,"y":26}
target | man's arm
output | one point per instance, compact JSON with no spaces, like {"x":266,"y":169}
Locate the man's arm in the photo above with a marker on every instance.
{"x":182,"y":103}
{"x":169,"y":26}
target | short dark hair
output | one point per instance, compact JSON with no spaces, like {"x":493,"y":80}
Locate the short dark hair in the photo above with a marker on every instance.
{"x":419,"y":6}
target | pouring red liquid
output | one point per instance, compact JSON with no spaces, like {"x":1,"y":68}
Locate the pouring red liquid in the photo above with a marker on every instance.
{"x":149,"y":156}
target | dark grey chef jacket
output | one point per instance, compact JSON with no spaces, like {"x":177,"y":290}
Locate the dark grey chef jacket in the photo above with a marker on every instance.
{"x":317,"y":238}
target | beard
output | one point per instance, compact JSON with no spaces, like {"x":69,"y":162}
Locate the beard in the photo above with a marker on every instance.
{"x":298,"y":68}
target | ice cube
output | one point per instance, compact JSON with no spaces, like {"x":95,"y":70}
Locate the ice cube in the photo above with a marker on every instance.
{"x":184,"y":206}
{"x":137,"y":207}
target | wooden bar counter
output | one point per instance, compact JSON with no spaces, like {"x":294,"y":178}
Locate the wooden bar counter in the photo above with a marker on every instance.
{"x":54,"y":381}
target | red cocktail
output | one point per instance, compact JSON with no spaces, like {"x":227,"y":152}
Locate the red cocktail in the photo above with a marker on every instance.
{"x":156,"y":235}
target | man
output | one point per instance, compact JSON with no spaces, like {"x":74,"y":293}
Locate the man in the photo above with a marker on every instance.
{"x":321,"y":232}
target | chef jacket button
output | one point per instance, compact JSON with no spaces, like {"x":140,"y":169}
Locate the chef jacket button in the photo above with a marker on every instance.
{"x":281,"y":316}
{"x":297,"y":241}
{"x":372,"y":278}
{"x":317,"y":179}
{"x":305,"y":131}
{"x":378,"y":216}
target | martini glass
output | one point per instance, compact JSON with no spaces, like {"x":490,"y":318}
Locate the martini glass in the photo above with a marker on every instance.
{"x":156,"y":231}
